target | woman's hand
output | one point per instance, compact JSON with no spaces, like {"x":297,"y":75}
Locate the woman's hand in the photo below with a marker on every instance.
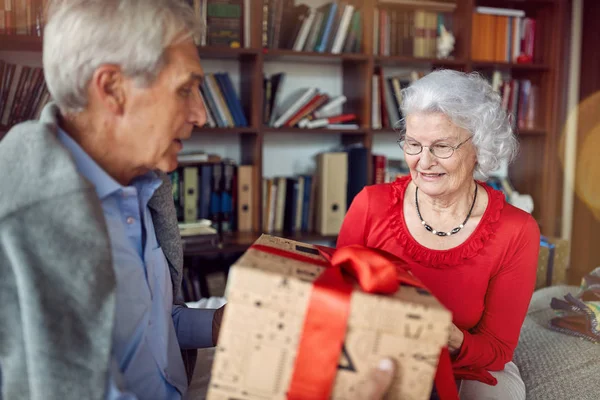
{"x":455,"y":340}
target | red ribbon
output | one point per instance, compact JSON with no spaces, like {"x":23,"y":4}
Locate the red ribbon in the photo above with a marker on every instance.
{"x":328,"y":310}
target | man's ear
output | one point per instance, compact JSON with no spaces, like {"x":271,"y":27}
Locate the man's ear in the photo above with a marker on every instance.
{"x":108,"y":86}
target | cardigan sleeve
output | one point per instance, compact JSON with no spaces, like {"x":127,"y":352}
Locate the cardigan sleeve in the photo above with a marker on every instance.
{"x":353,"y":229}
{"x":491,"y":343}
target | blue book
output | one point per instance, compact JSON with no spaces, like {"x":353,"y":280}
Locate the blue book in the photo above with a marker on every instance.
{"x":324,"y":39}
{"x":228,"y":99}
{"x":235,"y":100}
{"x":208,"y":96}
{"x":306,"y":202}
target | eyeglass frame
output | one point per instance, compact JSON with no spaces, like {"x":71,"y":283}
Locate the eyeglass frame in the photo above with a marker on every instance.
{"x":454,"y":148}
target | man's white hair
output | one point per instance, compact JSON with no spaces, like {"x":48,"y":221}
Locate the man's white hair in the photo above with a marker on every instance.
{"x":469,"y":101}
{"x":81,"y":35}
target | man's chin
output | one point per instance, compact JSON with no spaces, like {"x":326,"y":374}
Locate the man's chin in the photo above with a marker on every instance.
{"x":168,"y":165}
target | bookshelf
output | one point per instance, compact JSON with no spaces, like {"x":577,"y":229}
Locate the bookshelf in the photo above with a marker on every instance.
{"x":20,"y":43}
{"x":536,"y":170}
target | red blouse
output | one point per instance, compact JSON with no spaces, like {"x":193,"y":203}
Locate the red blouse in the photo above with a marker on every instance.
{"x":486,"y":282}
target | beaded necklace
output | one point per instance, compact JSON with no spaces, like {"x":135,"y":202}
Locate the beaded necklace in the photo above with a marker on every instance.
{"x":453,"y":231}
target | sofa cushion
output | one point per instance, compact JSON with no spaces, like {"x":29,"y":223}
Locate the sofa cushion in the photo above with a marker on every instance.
{"x":555,"y":366}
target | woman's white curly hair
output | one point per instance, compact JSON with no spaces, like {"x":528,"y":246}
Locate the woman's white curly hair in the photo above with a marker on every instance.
{"x":469,"y":101}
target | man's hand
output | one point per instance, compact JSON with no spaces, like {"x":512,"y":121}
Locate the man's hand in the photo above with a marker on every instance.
{"x":379,"y":381}
{"x":455,"y":340}
{"x":216,"y":324}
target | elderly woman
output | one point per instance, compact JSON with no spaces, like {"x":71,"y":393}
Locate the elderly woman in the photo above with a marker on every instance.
{"x":476,"y":253}
{"x":90,"y":252}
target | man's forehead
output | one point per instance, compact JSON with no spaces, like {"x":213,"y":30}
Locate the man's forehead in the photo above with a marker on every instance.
{"x":185,"y":58}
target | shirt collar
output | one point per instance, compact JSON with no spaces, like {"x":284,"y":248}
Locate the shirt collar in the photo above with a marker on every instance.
{"x":105,"y":184}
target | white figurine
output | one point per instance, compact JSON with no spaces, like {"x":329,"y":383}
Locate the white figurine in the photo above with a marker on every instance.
{"x":445,"y":43}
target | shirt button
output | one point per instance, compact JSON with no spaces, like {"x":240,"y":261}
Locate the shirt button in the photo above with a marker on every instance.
{"x":130,"y":220}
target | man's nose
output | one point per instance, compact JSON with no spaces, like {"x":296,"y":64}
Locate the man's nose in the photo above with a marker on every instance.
{"x":197,"y":109}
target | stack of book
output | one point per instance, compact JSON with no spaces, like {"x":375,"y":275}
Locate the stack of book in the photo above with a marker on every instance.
{"x":304,"y":108}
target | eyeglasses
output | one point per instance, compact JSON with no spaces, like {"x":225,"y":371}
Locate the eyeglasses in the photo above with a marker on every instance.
{"x":438,"y":150}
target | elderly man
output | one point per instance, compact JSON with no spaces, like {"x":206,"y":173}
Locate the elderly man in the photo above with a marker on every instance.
{"x":90,"y":254}
{"x":89,"y":251}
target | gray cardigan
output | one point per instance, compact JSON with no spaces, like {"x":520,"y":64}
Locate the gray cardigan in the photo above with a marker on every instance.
{"x":57,"y":286}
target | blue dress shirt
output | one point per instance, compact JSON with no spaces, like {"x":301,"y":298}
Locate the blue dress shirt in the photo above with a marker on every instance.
{"x":149,"y":330}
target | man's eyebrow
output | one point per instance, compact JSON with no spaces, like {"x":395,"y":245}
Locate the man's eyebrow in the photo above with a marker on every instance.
{"x":197,"y":77}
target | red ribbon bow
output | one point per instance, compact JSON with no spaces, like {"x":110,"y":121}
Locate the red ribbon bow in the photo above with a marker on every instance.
{"x":326,"y":320}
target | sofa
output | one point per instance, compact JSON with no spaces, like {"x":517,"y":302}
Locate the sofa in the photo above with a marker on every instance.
{"x":555,"y":366}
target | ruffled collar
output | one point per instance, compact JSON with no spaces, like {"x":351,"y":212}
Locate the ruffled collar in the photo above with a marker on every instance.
{"x":444,"y":258}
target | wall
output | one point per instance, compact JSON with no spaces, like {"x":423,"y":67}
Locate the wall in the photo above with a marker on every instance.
{"x":585,"y":252}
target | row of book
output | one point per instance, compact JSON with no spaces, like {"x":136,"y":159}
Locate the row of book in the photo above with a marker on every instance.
{"x":519,"y":98}
{"x":208,"y":188}
{"x":413,"y":33}
{"x":222,"y":103}
{"x":502,"y":35}
{"x":22,"y":17}
{"x":335,"y":27}
{"x":23,"y":93}
{"x":304,"y":108}
{"x":318,"y":202}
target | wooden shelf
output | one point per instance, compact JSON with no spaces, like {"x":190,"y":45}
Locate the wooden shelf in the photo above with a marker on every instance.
{"x":385,"y":131}
{"x":246,"y":239}
{"x":20,"y":43}
{"x":429,"y":5}
{"x":215,"y":52}
{"x":223,"y":131}
{"x":516,"y":3}
{"x":531,"y":132}
{"x":319,"y":131}
{"x":407,"y":60}
{"x":304,"y":56}
{"x":509,"y":66}
{"x":238,"y":242}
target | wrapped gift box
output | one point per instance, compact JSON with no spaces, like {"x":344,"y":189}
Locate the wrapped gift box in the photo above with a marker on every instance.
{"x":268,"y":296}
{"x":553,"y":262}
